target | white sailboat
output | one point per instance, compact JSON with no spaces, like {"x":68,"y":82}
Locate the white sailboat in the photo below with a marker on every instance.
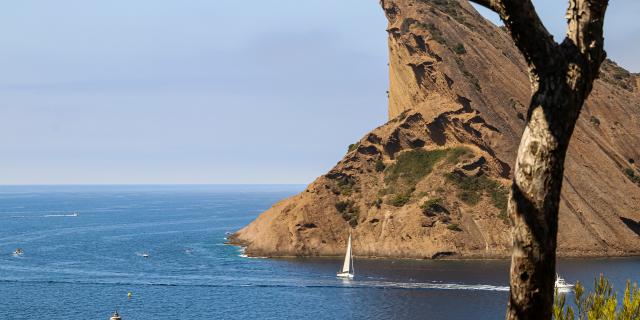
{"x":347,"y":271}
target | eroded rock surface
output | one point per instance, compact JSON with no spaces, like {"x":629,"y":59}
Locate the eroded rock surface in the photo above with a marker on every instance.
{"x":432,"y":181}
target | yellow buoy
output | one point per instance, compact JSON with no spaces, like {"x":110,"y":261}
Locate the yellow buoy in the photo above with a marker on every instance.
{"x":129,"y":295}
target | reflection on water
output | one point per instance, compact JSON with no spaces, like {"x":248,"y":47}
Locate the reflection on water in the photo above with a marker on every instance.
{"x":81,"y":267}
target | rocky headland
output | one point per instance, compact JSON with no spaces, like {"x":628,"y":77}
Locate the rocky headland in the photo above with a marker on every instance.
{"x":433,"y":181}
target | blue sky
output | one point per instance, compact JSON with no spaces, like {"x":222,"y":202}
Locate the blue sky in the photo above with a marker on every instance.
{"x":202,"y":91}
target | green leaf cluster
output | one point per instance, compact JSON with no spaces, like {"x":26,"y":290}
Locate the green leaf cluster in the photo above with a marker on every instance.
{"x":601,"y":304}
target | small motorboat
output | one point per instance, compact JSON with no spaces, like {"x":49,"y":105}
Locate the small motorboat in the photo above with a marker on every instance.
{"x":74,"y":214}
{"x":18,"y":252}
{"x":347,"y":271}
{"x":562,"y":285}
{"x":145,"y":255}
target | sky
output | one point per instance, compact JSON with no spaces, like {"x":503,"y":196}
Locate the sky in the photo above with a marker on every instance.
{"x":201,"y":91}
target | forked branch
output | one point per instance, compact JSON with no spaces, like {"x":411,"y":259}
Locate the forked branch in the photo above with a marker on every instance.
{"x":527,"y":30}
{"x":585,"y":33}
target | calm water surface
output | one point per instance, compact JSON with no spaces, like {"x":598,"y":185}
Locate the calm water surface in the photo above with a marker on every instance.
{"x":82,"y":267}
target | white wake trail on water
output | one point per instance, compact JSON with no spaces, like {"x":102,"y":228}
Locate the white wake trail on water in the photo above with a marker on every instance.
{"x":304,"y":284}
{"x":59,"y":215}
{"x":426,"y":285}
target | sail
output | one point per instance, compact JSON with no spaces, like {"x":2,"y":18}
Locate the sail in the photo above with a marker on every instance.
{"x":347,"y":257}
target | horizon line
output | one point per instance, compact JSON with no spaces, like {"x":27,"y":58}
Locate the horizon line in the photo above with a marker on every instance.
{"x":147,"y":184}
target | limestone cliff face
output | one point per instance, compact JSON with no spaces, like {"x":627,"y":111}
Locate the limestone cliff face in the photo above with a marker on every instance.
{"x":432,"y":181}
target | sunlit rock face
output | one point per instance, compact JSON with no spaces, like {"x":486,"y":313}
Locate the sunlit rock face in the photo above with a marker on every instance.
{"x":432,"y":182}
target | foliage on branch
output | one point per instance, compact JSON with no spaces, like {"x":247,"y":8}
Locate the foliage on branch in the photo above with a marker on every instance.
{"x":602,"y":303}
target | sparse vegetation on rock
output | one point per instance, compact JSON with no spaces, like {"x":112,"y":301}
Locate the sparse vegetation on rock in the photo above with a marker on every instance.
{"x":399,"y":200}
{"x":380,"y":165}
{"x":459,"y":49}
{"x":349,"y":210}
{"x":454,"y":154}
{"x":345,"y":186}
{"x":436,"y":34}
{"x":472,"y":188}
{"x":412,"y":166}
{"x":632,"y":175}
{"x":500,"y":197}
{"x":433,"y":206}
{"x":468,"y":74}
{"x":601,"y":303}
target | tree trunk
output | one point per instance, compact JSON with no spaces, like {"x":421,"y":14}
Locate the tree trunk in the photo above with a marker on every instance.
{"x":535,"y":198}
{"x":562,"y":78}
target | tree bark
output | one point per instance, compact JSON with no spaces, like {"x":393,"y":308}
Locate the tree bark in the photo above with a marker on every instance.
{"x":562,"y":77}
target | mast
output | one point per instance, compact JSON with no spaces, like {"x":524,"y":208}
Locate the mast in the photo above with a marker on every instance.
{"x":353,"y":269}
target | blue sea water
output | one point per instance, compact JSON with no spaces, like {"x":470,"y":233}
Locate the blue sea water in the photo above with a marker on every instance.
{"x":82,"y":267}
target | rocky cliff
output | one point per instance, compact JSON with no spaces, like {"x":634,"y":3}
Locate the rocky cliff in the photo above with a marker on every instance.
{"x":432,"y":182}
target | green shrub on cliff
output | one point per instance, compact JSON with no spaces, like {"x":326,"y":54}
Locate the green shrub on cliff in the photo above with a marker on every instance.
{"x":342,"y":206}
{"x":632,"y":175}
{"x":349,"y":210}
{"x":380,"y":165}
{"x":602,"y":303}
{"x":412,"y":166}
{"x":500,"y":198}
{"x":459,"y":48}
{"x":454,"y":227}
{"x":400,"y":200}
{"x":456,"y":153}
{"x":436,"y":34}
{"x":345,"y":186}
{"x":432,"y":207}
{"x":472,"y":188}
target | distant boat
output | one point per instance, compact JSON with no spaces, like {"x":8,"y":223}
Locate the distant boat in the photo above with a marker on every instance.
{"x":74,"y":214}
{"x":562,"y":285}
{"x":347,"y":271}
{"x":145,"y":255}
{"x":18,"y":252}
{"x":115,"y":316}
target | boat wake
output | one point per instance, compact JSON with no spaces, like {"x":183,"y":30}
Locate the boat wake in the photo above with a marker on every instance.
{"x":292,"y":284}
{"x":60,"y":215}
{"x":426,"y":286}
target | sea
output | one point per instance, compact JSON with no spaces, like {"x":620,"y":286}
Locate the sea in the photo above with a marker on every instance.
{"x":84,"y":251}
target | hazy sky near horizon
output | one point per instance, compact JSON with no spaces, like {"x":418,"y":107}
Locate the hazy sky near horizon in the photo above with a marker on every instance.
{"x":203,"y":91}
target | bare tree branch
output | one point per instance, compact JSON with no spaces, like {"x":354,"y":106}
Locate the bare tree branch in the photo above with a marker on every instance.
{"x":585,"y":33}
{"x":527,"y":30}
{"x":486,"y":3}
